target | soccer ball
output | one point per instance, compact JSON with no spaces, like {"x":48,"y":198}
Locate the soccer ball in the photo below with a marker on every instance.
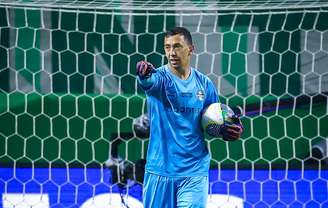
{"x":214,"y":116}
{"x":141,"y":126}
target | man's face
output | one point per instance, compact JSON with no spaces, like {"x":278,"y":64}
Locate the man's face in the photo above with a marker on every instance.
{"x":177,"y":51}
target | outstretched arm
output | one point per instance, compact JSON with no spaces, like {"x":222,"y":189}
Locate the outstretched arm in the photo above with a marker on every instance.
{"x":144,"y":73}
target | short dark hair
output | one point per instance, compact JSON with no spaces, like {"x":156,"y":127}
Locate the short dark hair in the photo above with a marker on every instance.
{"x":181,"y":31}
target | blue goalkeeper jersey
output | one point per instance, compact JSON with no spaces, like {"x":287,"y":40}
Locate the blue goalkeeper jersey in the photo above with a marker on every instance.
{"x":177,"y":146}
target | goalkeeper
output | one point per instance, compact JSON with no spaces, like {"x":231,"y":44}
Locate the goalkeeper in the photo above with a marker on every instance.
{"x":178,"y":160}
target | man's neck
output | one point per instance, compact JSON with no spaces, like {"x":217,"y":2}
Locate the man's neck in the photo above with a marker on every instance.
{"x":182,"y":73}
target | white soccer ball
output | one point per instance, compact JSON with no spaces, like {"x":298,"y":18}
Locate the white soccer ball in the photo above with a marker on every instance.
{"x":214,"y":116}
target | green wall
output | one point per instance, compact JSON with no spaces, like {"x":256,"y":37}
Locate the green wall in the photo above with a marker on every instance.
{"x":52,"y":112}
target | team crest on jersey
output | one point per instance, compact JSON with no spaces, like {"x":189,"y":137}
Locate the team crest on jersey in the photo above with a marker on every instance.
{"x":200,"y":94}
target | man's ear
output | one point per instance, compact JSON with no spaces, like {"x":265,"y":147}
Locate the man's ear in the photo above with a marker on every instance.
{"x":191,"y":49}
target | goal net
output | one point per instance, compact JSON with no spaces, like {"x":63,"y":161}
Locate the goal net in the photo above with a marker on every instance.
{"x":69,"y":95}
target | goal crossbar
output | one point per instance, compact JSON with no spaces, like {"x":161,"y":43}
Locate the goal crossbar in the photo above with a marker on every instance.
{"x":184,"y":5}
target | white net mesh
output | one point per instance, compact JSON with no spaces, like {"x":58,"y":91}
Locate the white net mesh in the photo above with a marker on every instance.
{"x":169,"y":5}
{"x":68,"y":97}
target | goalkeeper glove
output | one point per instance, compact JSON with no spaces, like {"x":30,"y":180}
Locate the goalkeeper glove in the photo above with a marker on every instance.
{"x":232,"y":131}
{"x":145,"y":69}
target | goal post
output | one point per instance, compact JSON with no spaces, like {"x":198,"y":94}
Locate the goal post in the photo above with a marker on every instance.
{"x":69,"y":94}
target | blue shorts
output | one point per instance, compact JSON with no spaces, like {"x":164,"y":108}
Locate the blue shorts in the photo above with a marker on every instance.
{"x":171,"y":192}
